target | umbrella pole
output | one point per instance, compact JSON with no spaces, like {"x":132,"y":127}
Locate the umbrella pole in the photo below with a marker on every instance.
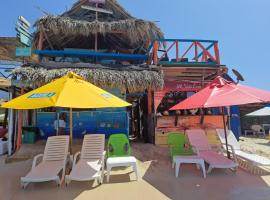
{"x":70,"y":128}
{"x":225,"y":132}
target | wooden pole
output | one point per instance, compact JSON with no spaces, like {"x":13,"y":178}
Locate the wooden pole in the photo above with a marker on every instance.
{"x":10,"y":124}
{"x":196,"y":52}
{"x":177,"y":51}
{"x":149,"y":100}
{"x":217,"y":53}
{"x":96,"y":34}
{"x":225,"y":132}
{"x":70,"y":128}
{"x":20,"y":124}
{"x":40,"y":43}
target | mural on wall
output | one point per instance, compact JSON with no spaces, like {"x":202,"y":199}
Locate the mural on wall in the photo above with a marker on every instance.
{"x":84,"y":123}
{"x":106,"y":121}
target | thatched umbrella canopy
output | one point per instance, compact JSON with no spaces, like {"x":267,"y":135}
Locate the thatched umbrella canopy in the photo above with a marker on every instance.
{"x":127,"y":78}
{"x":76,"y":29}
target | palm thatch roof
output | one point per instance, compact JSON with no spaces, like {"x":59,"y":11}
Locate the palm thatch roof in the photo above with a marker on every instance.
{"x":7,"y":48}
{"x":128,"y":78}
{"x":76,"y":29}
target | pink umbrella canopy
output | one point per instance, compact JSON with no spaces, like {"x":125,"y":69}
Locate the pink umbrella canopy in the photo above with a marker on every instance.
{"x":222,"y":93}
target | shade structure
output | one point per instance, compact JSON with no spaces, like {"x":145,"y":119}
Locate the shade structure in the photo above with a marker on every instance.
{"x":70,"y":91}
{"x":223,"y":93}
{"x":261,"y":112}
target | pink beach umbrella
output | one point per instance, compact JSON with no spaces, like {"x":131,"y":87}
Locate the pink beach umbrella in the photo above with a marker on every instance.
{"x":222,"y":93}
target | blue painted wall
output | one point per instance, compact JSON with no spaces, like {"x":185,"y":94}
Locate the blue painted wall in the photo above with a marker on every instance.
{"x":104,"y":122}
{"x":235,"y":121}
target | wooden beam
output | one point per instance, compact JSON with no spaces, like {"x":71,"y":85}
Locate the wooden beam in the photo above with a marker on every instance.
{"x":187,"y":50}
{"x":149,"y":100}
{"x":196,"y":51}
{"x":100,"y":10}
{"x":167,"y":50}
{"x":217,"y":52}
{"x":20,"y":124}
{"x":40,"y":40}
{"x":206,"y":52}
{"x":177,"y":51}
{"x":47,"y":38}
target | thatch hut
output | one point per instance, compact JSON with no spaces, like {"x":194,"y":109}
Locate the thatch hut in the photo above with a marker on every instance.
{"x":110,"y":32}
{"x":76,"y":28}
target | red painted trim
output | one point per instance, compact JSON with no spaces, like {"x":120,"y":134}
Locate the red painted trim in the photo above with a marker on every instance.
{"x":167,"y":50}
{"x":217,"y":53}
{"x":177,"y":51}
{"x":187,"y":50}
{"x":206,"y":52}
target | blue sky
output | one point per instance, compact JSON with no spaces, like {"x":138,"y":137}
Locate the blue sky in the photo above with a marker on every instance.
{"x":242,"y":27}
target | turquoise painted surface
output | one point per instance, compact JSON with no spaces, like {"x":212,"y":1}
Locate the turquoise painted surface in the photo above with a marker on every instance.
{"x":85,"y":122}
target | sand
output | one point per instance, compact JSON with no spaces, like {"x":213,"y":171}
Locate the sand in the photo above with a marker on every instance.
{"x":258,"y":145}
{"x":157,"y":181}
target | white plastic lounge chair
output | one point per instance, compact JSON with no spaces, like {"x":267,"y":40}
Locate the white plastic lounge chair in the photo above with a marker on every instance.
{"x":253,"y":159}
{"x":53,"y":162}
{"x":90,"y":166}
{"x":199,"y":141}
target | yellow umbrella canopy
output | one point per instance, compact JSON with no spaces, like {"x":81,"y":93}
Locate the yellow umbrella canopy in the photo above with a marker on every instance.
{"x":70,"y":91}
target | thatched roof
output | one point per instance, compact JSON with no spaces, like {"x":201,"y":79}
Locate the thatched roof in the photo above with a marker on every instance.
{"x":7,"y":48}
{"x":76,"y":29}
{"x":131,"y":78}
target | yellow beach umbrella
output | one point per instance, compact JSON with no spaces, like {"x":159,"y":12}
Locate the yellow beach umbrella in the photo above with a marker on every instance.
{"x":70,"y":91}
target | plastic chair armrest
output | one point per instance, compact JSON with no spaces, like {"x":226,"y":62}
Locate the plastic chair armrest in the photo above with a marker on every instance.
{"x":195,"y":150}
{"x":75,"y":159}
{"x":36,"y":159}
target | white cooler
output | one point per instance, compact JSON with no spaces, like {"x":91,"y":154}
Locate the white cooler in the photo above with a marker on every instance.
{"x":3,"y":147}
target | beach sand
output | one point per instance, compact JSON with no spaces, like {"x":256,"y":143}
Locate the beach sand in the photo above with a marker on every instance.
{"x":157,"y":181}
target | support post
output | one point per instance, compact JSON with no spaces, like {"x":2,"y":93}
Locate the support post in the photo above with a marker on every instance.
{"x":217,"y":53}
{"x":177,"y":51}
{"x":150,"y":118}
{"x":155,"y":52}
{"x":40,"y":42}
{"x":10,"y":125}
{"x":96,"y":34}
{"x":20,"y":124}
{"x":196,"y":51}
{"x":70,"y":129}
{"x":225,"y":132}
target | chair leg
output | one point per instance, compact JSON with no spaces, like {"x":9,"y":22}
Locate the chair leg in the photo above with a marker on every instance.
{"x":108,"y":173}
{"x":135,"y":169}
{"x":24,"y":185}
{"x":203,"y":169}
{"x":209,"y":169}
{"x":177,"y":168}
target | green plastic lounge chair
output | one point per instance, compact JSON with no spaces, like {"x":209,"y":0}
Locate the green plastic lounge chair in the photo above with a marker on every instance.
{"x":118,"y":146}
{"x":179,"y":145}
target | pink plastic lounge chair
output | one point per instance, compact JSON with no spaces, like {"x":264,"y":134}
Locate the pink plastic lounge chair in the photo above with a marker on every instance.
{"x":53,"y":162}
{"x":199,"y":141}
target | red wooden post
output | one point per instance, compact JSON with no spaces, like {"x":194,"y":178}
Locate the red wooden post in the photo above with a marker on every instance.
{"x":149,"y":95}
{"x":206,"y":52}
{"x":167,"y":50}
{"x":20,"y":123}
{"x":217,"y":52}
{"x":155,"y":49}
{"x":196,"y":51}
{"x":177,"y":51}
